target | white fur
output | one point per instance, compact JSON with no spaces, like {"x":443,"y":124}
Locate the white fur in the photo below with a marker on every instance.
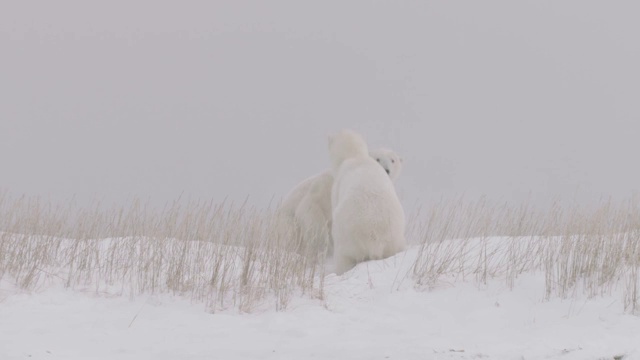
{"x":307,"y":207}
{"x":368,"y":219}
{"x":390,"y":161}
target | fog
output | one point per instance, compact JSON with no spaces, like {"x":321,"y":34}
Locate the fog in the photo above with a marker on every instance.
{"x":221,"y":99}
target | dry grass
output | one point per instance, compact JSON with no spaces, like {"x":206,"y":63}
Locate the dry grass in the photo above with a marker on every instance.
{"x":234,"y":256}
{"x":225,"y":255}
{"x":579,"y":250}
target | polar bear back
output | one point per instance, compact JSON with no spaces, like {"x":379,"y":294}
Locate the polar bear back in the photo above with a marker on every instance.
{"x":368,"y":218}
{"x":367,"y":203}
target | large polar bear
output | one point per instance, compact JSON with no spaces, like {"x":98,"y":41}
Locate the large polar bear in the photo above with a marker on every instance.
{"x":306,"y":210}
{"x":368,"y":220}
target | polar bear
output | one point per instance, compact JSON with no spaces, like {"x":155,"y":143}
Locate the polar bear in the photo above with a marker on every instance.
{"x":368,"y":220}
{"x":306,"y":210}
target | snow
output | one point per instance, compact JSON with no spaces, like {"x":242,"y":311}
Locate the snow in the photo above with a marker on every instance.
{"x":372,"y":312}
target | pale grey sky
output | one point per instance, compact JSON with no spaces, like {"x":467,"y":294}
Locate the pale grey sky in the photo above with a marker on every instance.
{"x":234,"y":98}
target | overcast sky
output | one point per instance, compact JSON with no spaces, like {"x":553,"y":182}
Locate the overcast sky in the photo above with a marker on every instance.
{"x":219,"y":99}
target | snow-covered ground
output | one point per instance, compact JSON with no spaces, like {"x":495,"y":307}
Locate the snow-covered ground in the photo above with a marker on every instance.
{"x":372,"y":312}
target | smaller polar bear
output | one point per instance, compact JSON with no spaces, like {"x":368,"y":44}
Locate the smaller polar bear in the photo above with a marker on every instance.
{"x":306,"y":210}
{"x":367,"y":217}
{"x":390,"y":161}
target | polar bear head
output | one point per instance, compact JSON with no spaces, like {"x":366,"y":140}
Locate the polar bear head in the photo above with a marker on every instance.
{"x":344,"y":145}
{"x":390,"y":161}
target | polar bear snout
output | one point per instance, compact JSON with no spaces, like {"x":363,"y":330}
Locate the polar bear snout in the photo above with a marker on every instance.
{"x":388,"y":172}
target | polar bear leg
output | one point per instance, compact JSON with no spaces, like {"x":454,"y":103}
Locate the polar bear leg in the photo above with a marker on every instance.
{"x":314,"y":226}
